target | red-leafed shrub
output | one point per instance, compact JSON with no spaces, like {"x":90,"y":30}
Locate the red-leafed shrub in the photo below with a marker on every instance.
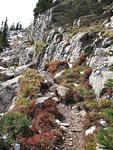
{"x":57,"y":65}
{"x":31,"y":109}
{"x":44,"y":122}
{"x":73,"y":96}
{"x":87,"y":74}
{"x":46,"y":132}
{"x":44,"y":141}
{"x":50,"y":106}
{"x":87,"y":84}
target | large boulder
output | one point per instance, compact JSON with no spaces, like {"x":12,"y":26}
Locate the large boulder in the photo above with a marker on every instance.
{"x":98,"y":79}
{"x":8,"y":90}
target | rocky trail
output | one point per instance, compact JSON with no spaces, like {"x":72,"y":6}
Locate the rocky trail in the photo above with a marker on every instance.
{"x":74,"y":135}
{"x":71,"y":121}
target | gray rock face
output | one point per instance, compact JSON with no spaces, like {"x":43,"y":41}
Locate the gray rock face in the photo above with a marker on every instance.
{"x":68,"y":48}
{"x":64,"y":14}
{"x":98,"y":79}
{"x":8,"y":90}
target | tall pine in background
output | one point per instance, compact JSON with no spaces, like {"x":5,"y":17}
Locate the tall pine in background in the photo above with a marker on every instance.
{"x":4,"y":35}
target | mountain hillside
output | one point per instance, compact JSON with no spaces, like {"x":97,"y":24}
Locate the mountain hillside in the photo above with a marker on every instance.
{"x":56,"y":80}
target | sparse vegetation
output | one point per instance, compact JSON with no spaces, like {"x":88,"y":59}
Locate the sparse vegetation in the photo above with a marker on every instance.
{"x":57,"y":65}
{"x":105,"y":138}
{"x":39,"y":45}
{"x":30,"y":84}
{"x":109,"y":83}
{"x":4,"y":36}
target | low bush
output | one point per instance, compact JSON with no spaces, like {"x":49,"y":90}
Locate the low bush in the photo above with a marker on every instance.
{"x":87,"y":74}
{"x":91,"y":105}
{"x":69,"y":76}
{"x":30,"y":84}
{"x":108,"y":114}
{"x":84,"y":92}
{"x":105,"y":103}
{"x":109,"y":83}
{"x":105,"y":138}
{"x":15,"y":124}
{"x":44,"y":141}
{"x":57,"y":65}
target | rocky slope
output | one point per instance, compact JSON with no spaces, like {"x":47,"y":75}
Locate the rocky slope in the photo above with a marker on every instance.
{"x":71,"y":46}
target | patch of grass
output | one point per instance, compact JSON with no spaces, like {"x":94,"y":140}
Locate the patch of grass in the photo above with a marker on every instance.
{"x":111,"y":68}
{"x":70,"y":76}
{"x":109,"y":33}
{"x":39,"y":45}
{"x":86,"y":93}
{"x":30,"y":84}
{"x":109,"y":83}
{"x":92,"y":28}
{"x":105,"y":103}
{"x":91,"y":105}
{"x":57,"y":65}
{"x":108,"y":113}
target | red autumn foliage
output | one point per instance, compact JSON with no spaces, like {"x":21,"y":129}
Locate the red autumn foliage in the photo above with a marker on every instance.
{"x":45,"y":132}
{"x":44,"y":141}
{"x":87,"y":84}
{"x":44,"y":122}
{"x":57,"y":65}
{"x":87,"y":74}
{"x":31,"y":109}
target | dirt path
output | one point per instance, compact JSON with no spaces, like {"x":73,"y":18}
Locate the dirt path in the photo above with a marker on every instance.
{"x":74,"y":133}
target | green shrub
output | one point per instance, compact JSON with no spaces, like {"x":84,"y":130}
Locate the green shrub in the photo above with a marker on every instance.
{"x":105,"y":103}
{"x":105,"y":138}
{"x":86,"y":93}
{"x":108,"y":113}
{"x":111,"y":68}
{"x":91,"y":105}
{"x":40,"y":46}
{"x":109,"y":83}
{"x":30,"y":84}
{"x":13,"y":124}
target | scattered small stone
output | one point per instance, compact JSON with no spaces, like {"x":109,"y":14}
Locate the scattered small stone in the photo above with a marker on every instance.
{"x":103,"y":122}
{"x":71,"y":143}
{"x":83,"y":113}
{"x":74,"y":107}
{"x":76,"y":129}
{"x":70,"y":65}
{"x":90,"y":130}
{"x":63,"y":128}
{"x":76,"y":85}
{"x":71,"y":139}
{"x":82,"y":72}
{"x":65,"y":124}
{"x":17,"y":146}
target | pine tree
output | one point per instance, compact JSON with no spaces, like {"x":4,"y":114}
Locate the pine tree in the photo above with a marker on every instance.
{"x":12,"y":27}
{"x":18,"y":26}
{"x":4,"y":35}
